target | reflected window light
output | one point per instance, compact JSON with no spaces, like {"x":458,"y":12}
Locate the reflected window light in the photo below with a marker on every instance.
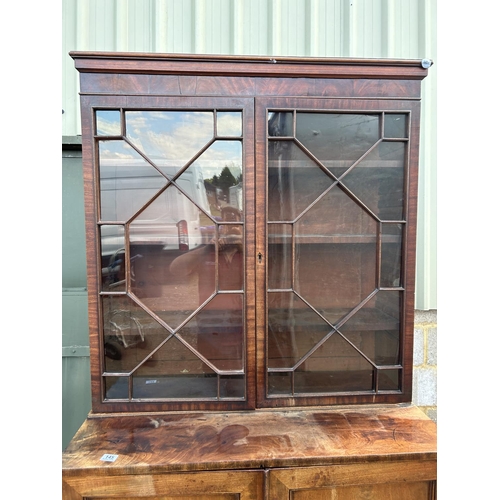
{"x":229,"y":124}
{"x":108,"y":122}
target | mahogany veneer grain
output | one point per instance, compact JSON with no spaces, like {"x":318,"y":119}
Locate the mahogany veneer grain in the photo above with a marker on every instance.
{"x":148,"y":443}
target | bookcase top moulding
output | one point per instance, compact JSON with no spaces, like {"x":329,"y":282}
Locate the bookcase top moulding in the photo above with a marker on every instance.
{"x":204,"y":64}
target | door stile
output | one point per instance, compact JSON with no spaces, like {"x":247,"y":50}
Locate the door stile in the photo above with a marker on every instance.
{"x":261,"y":245}
{"x":251,"y":214}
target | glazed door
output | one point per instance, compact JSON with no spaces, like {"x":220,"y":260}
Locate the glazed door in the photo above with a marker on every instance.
{"x":331,"y":244}
{"x":240,"y":269}
{"x":173,"y":222}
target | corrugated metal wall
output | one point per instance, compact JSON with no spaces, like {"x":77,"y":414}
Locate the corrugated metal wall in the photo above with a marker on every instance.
{"x":332,"y":28}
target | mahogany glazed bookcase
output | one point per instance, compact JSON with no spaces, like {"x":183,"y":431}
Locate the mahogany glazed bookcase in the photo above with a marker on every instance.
{"x":251,"y":226}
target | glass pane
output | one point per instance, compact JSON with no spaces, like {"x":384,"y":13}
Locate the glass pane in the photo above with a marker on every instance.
{"x":216,"y":332}
{"x":169,"y":138}
{"x":378,"y":180}
{"x":182,"y":337}
{"x":229,"y":123}
{"x":294,"y":181}
{"x":116,"y":387}
{"x":395,"y":126}
{"x":232,"y":387}
{"x":174,"y":359}
{"x":112,"y":258}
{"x":175,"y":372}
{"x":335,"y":255}
{"x":130,"y":333}
{"x":334,"y":367}
{"x":108,"y":122}
{"x":337,"y":140}
{"x":173,"y":273}
{"x":380,"y":346}
{"x":390,"y":271}
{"x":279,"y":384}
{"x":293,"y":330}
{"x":172,"y":221}
{"x":217,"y":176}
{"x":389,"y":380}
{"x":197,"y":274}
{"x":127,"y":181}
{"x":280,"y":124}
{"x":279,"y":256}
{"x":374,"y":329}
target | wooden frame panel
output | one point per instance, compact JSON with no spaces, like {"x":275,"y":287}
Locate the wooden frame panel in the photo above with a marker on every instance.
{"x":412,"y":480}
{"x":214,"y":485}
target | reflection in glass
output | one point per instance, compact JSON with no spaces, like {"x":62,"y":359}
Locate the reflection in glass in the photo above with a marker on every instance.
{"x":229,"y":123}
{"x":374,"y":329}
{"x":108,"y":122}
{"x":334,"y":367}
{"x":280,"y":124}
{"x":294,"y":181}
{"x":389,"y":380}
{"x":380,"y":346}
{"x":395,"y":126}
{"x":337,"y":140}
{"x":293,"y":329}
{"x":174,"y":371}
{"x":388,"y":302}
{"x":232,"y":387}
{"x":130,"y":333}
{"x":378,"y":180}
{"x":169,"y":138}
{"x":230,"y":253}
{"x":174,"y":382}
{"x":182,"y":335}
{"x":127,"y":181}
{"x":116,"y":387}
{"x":216,"y":332}
{"x":390,"y":269}
{"x":163,"y":233}
{"x":279,"y":383}
{"x":214,"y":180}
{"x":335,"y":255}
{"x":186,"y":386}
{"x":172,"y":221}
{"x":333,"y":266}
{"x":279,"y":256}
{"x":112,"y":258}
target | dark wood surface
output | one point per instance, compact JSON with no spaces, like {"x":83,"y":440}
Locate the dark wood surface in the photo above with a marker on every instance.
{"x":190,"y":64}
{"x":189,"y":75}
{"x":149,"y":443}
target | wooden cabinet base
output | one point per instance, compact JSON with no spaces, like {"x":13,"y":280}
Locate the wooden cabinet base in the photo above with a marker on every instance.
{"x":345,"y":453}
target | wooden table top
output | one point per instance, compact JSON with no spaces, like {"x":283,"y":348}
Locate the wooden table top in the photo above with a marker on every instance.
{"x":148,"y":443}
